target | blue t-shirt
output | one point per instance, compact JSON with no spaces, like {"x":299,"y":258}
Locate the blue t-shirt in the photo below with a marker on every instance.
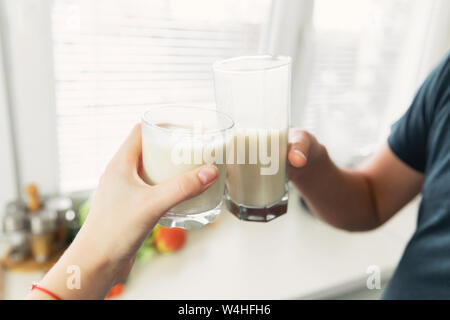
{"x":421,"y":139}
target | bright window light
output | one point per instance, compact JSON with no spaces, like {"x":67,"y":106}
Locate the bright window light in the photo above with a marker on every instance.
{"x":116,"y":58}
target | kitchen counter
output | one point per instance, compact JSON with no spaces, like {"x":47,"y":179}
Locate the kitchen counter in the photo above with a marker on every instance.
{"x":294,"y":256}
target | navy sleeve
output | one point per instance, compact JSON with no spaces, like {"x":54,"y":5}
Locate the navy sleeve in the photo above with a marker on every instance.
{"x":409,"y":135}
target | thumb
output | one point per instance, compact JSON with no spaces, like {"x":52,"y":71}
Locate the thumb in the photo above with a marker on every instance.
{"x":184,"y":186}
{"x":299,"y":146}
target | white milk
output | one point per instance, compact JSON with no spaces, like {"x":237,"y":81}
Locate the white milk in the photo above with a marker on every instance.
{"x":162,"y":156}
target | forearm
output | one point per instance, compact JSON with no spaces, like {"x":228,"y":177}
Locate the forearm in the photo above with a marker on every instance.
{"x":342,"y":198}
{"x":83,"y":263}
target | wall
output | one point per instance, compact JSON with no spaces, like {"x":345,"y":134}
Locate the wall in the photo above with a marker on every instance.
{"x":25,"y":27}
{"x":7,"y":170}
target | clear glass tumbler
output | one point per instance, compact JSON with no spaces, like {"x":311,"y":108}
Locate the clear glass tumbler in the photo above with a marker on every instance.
{"x":256,"y":92}
{"x":176,"y":139}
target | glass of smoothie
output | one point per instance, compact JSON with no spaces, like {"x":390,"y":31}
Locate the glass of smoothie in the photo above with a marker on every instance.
{"x":256,"y":92}
{"x":179,"y":138}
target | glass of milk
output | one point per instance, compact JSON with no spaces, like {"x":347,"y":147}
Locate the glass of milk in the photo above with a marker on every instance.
{"x":256,"y":92}
{"x":178,"y":138}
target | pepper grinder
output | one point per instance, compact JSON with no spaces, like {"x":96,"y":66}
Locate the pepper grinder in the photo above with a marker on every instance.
{"x":42,"y":223}
{"x":34,"y":201}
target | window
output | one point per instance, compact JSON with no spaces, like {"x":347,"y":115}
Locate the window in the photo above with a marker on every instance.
{"x":357,"y":57}
{"x":113,"y":59}
{"x":74,"y":99}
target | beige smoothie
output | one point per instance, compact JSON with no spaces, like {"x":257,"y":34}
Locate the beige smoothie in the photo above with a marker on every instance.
{"x":257,"y":175}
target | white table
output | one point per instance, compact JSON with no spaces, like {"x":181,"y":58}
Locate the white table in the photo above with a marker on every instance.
{"x":294,"y":256}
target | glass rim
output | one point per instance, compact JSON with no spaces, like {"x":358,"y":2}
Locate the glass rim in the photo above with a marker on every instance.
{"x":283,"y":61}
{"x":148,"y":122}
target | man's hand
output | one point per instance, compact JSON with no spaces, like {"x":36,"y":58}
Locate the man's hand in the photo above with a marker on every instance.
{"x":359,"y":199}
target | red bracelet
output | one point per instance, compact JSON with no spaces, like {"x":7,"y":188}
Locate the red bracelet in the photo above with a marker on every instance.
{"x":51,"y":294}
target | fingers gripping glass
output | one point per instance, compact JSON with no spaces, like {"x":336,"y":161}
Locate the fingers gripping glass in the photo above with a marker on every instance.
{"x":177,"y":139}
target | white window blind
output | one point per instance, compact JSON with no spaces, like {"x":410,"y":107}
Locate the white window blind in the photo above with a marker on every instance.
{"x":114,"y":59}
{"x":357,"y":63}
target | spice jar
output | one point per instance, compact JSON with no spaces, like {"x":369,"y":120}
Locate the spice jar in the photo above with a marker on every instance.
{"x":43,"y":225}
{"x":61,"y":207}
{"x":73,"y":225}
{"x":15,"y":228}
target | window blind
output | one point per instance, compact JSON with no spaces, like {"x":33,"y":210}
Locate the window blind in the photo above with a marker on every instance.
{"x":114,"y":59}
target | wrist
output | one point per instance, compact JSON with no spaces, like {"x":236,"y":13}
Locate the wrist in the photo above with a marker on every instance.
{"x":82,"y":272}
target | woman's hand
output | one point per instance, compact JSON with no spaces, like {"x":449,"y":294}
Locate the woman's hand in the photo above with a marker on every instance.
{"x":123,"y":212}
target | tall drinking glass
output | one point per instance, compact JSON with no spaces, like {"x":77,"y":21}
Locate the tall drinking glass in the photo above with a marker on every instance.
{"x":255,"y":92}
{"x":177,"y":139}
